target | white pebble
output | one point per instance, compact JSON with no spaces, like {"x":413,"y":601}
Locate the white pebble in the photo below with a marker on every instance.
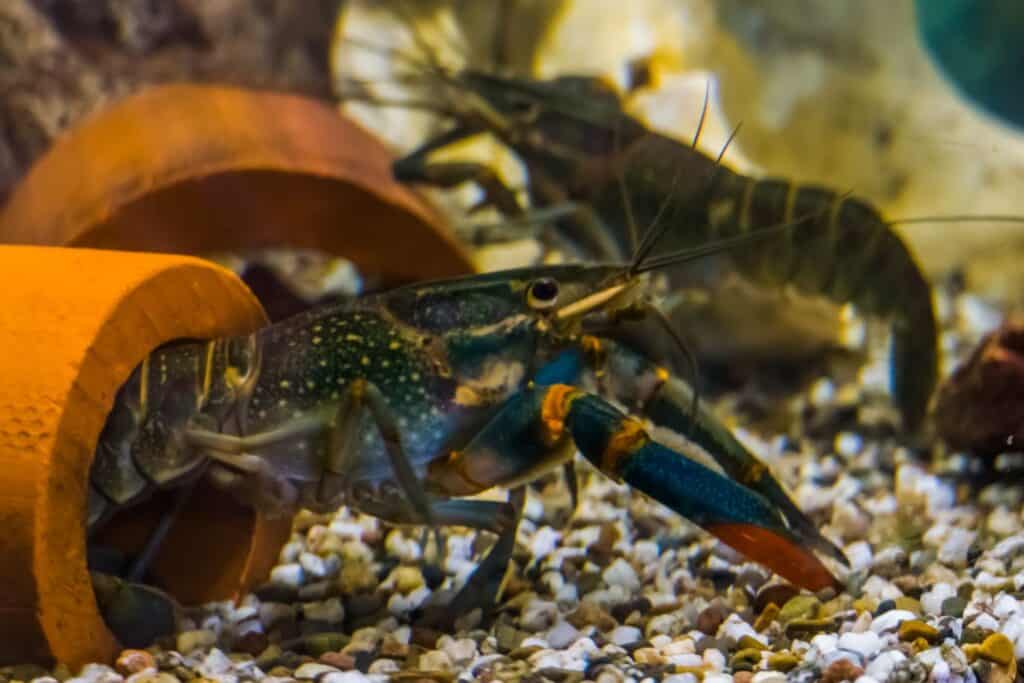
{"x":621,"y":573}
{"x":824,"y":643}
{"x":891,"y":620}
{"x":646,"y":552}
{"x":714,"y":659}
{"x":383,"y":667}
{"x":215,"y":662}
{"x":435,"y":660}
{"x":313,"y":670}
{"x":734,"y":628}
{"x":399,"y":604}
{"x":538,"y":615}
{"x":568,"y":594}
{"x":624,"y":635}
{"x":680,"y":678}
{"x":1006,"y":606}
{"x":717,"y":678}
{"x":860,"y":555}
{"x":397,"y":544}
{"x":931,"y":600}
{"x":848,"y":444}
{"x":882,"y":665}
{"x":461,"y":650}
{"x":290,"y":574}
{"x":562,"y":635}
{"x":544,"y":541}
{"x":769,"y":677}
{"x":346,"y":677}
{"x":954,"y":549}
{"x":865,"y":644}
{"x":194,"y":640}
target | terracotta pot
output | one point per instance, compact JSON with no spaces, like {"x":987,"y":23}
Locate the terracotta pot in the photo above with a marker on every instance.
{"x":75,"y":322}
{"x":199,"y":169}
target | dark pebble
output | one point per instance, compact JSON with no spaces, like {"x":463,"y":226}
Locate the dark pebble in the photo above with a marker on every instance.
{"x":251,"y":642}
{"x":710,"y":643}
{"x":363,"y":660}
{"x":954,"y":607}
{"x":273,"y":592}
{"x":424,"y":637}
{"x":711,"y":618}
{"x":885,"y":606}
{"x":624,"y":609}
{"x":363,"y":604}
{"x":433,"y":575}
{"x":779,"y":593}
{"x":973,"y":634}
{"x":751,"y":580}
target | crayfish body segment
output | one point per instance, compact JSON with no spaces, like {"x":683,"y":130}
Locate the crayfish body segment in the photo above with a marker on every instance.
{"x":397,"y":403}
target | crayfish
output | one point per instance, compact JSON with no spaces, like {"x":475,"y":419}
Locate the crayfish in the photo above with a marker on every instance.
{"x":400,"y":403}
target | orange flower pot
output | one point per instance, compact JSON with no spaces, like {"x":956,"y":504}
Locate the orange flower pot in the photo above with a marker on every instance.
{"x":199,"y":169}
{"x":182,"y":169}
{"x":75,"y":323}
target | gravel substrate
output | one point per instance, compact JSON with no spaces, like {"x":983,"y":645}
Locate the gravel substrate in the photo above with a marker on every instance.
{"x":627,"y":591}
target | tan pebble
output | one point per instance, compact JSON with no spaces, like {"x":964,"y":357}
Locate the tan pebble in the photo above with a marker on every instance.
{"x":908,"y":603}
{"x":841,"y":670}
{"x":680,"y":646}
{"x":913,"y":629}
{"x":648,"y":655}
{"x":589,"y":614}
{"x":743,"y":677}
{"x":801,"y":628}
{"x":783,"y":661}
{"x":408,"y":579}
{"x":356,"y":577}
{"x":435,"y":660}
{"x":765,"y":619}
{"x":392,"y":647}
{"x":339,"y":660}
{"x":750,"y":643}
{"x":997,"y":648}
{"x":800,"y":607}
{"x":865,"y":605}
{"x":133,"y":661}
{"x":711,"y":618}
{"x":746,"y":658}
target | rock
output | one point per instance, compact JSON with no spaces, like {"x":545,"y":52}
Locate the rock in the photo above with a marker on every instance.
{"x":562,"y":635}
{"x":624,"y":635}
{"x":590,"y":614}
{"x":953,"y":607}
{"x":313,"y":670}
{"x":881,"y":666}
{"x":841,"y":670}
{"x":997,"y":648}
{"x":799,"y":607}
{"x":711,"y":618}
{"x":912,"y":629}
{"x":891,"y":620}
{"x":133,"y":661}
{"x":783,"y":661}
{"x":779,"y":593}
{"x":865,"y":644}
{"x":621,"y":573}
{"x":194,"y":640}
{"x":980,"y":407}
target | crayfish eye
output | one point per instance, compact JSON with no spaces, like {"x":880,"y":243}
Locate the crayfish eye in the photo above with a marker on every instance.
{"x":542,"y":293}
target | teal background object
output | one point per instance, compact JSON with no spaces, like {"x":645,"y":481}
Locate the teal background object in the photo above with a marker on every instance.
{"x":979,"y":46}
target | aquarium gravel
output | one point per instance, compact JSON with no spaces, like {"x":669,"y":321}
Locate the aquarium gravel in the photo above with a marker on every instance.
{"x":625,"y":590}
